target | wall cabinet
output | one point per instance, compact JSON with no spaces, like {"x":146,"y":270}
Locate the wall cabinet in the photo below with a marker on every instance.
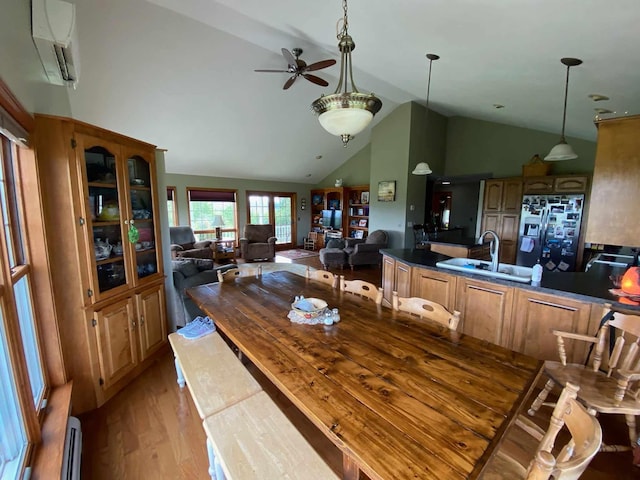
{"x":555,"y":184}
{"x":503,"y":195}
{"x":100,"y":197}
{"x":485,"y":310}
{"x":615,"y":195}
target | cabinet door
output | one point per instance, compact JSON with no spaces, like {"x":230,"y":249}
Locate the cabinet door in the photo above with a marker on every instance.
{"x":537,"y":314}
{"x":485,"y":310}
{"x":512,"y":196}
{"x":570,"y":184}
{"x":103,"y":204}
{"x":493,"y":195}
{"x":403,"y":279}
{"x":534,"y":185}
{"x":151,"y":320}
{"x":114,"y":329}
{"x":491,"y":221}
{"x":509,"y":225}
{"x":435,"y":286}
{"x":388,"y":279}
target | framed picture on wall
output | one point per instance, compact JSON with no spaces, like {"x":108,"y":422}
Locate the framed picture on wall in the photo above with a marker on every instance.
{"x":387,"y":191}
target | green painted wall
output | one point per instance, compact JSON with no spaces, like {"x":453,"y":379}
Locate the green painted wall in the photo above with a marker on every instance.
{"x":354,"y":171}
{"x":477,"y":146}
{"x":181,"y":182}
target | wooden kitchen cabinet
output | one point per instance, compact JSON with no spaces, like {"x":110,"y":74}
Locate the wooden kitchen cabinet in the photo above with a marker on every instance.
{"x":503,"y":195}
{"x":537,"y":185}
{"x":506,"y":226}
{"x":100,"y":199}
{"x":555,"y":184}
{"x":537,"y":314}
{"x":435,"y":286}
{"x":396,"y":276}
{"x":615,"y":196}
{"x":503,"y":215}
{"x":485,"y":310}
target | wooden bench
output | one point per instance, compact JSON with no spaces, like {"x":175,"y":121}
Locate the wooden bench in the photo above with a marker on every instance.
{"x":253,"y":439}
{"x":248,"y":437}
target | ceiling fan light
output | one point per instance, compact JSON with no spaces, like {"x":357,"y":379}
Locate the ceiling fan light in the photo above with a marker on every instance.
{"x":562,"y":151}
{"x":422,"y":168}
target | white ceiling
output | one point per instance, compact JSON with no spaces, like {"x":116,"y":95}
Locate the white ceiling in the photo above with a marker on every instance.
{"x":179,"y":73}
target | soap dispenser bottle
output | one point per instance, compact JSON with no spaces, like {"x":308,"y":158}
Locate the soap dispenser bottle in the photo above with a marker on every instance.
{"x":536,"y":275}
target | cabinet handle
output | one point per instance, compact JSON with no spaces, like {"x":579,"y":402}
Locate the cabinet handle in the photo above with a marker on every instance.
{"x":549,"y":304}
{"x":133,"y":324}
{"x":141,"y":319}
{"x":129,"y":222}
{"x":482,"y":289}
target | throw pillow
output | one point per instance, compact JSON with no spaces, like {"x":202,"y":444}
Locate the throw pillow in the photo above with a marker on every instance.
{"x":186,"y":268}
{"x":335,"y":243}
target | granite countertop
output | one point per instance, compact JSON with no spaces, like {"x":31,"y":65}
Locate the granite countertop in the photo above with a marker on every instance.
{"x":591,"y":286}
{"x":459,"y":242}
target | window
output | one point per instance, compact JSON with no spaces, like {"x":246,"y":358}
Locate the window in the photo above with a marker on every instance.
{"x":22,"y":373}
{"x":172,"y":206}
{"x":204,"y":204}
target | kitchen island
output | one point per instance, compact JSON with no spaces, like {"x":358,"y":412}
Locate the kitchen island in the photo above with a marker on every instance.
{"x":511,"y":314}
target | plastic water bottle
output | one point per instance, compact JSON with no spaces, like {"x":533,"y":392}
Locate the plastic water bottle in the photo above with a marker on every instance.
{"x":536,"y":275}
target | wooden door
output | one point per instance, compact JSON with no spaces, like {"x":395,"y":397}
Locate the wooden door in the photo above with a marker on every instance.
{"x":485,"y":310}
{"x":512,"y":196}
{"x":114,"y":328}
{"x":277,"y":209}
{"x":493,"y":195}
{"x":539,"y":314}
{"x":388,"y":279}
{"x":435,"y":286}
{"x":152,"y":333}
{"x":403,"y":279}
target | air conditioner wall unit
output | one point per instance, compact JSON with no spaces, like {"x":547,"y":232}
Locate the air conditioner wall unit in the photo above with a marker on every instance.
{"x":53,"y":26}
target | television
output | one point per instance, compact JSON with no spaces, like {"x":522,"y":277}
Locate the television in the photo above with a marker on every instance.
{"x":332,"y":219}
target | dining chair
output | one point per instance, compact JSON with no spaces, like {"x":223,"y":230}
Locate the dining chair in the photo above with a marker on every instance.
{"x":426,"y":309}
{"x":239,"y":272}
{"x":513,"y":459}
{"x":310,"y":241}
{"x":322,"y":276}
{"x":609,"y":379}
{"x":362,"y":288}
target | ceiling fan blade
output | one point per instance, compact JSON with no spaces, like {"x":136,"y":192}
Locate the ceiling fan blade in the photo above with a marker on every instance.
{"x":319,"y":65}
{"x":288,"y":56}
{"x":316,"y":80}
{"x":289,"y":82}
{"x":274,"y":71}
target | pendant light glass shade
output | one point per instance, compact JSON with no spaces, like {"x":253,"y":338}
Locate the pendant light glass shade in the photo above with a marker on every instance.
{"x":564,"y":151}
{"x":345,"y":113}
{"x":423,"y":168}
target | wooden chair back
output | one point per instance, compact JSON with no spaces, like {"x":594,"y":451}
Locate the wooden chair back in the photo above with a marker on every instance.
{"x":427,"y":309}
{"x":233,"y":273}
{"x":310,"y":241}
{"x":362,"y":288}
{"x":322,"y":276}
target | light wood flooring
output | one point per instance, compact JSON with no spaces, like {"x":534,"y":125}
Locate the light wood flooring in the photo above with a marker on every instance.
{"x":151,"y":430}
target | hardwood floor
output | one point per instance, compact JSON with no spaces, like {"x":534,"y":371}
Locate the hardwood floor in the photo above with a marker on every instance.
{"x":151,"y":430}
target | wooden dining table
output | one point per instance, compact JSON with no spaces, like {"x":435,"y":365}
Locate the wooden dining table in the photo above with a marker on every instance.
{"x":401,"y":397}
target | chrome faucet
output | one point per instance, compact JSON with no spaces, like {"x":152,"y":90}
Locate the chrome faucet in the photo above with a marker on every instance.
{"x":494,"y":248}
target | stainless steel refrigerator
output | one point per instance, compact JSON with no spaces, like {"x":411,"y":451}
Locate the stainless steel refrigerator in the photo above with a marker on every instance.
{"x":549,"y":231}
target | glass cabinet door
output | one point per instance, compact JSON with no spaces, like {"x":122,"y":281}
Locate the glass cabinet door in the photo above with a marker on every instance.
{"x":141,"y":219}
{"x":103,"y":210}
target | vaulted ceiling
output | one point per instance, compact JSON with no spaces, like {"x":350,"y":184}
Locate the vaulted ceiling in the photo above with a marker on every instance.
{"x":180,"y":73}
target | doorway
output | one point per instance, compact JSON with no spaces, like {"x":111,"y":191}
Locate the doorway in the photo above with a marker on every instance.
{"x":277,"y":209}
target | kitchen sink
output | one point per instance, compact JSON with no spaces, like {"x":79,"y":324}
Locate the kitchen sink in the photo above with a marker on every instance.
{"x":505,"y":271}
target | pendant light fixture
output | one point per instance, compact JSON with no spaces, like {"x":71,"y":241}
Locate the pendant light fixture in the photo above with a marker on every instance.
{"x":345,"y":113}
{"x":563,"y":151}
{"x":423,"y":168}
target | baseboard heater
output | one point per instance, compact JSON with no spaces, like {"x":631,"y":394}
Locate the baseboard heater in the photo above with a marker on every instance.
{"x":72,"y":451}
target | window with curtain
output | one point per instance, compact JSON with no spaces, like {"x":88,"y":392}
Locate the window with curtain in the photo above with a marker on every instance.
{"x":22,"y":372}
{"x":205,"y":204}
{"x":172,"y":206}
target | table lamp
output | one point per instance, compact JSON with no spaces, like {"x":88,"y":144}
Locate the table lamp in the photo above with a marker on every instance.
{"x":218,"y":222}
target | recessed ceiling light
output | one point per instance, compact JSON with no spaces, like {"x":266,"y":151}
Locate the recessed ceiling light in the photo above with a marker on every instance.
{"x":596,"y":97}
{"x":308,"y":175}
{"x":497,"y":106}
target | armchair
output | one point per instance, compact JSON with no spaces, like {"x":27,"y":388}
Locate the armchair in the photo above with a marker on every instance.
{"x":258,"y":242}
{"x":366,"y":252}
{"x":184,"y":244}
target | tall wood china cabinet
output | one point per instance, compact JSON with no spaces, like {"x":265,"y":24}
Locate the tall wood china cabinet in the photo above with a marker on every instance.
{"x":104,"y":249}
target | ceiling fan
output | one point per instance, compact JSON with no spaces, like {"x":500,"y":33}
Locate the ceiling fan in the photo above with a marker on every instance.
{"x":300,"y":68}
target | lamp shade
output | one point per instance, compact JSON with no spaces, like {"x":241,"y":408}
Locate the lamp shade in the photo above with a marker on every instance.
{"x":217,"y":221}
{"x":630,"y":282}
{"x":562,"y":151}
{"x":422,"y":169}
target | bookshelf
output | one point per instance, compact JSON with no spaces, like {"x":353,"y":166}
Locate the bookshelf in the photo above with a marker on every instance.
{"x":326,"y":199}
{"x":357,"y":218}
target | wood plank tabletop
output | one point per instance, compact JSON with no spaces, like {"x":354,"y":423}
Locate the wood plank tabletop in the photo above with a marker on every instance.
{"x":400,"y":396}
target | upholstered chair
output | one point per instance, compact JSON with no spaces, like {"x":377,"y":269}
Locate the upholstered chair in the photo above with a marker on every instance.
{"x":366,"y":252}
{"x":258,"y":242}
{"x":184,"y":244}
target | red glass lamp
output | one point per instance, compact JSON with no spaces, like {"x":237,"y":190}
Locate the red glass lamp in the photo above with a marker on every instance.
{"x":631,"y":281}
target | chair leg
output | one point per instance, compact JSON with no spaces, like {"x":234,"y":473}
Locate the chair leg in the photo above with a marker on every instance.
{"x":542,"y":396}
{"x":631,"y":424}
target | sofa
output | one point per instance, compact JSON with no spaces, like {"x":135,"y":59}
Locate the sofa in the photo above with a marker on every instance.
{"x":191,"y":272}
{"x":367,"y":251}
{"x":258,"y":242}
{"x":184,"y":244}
